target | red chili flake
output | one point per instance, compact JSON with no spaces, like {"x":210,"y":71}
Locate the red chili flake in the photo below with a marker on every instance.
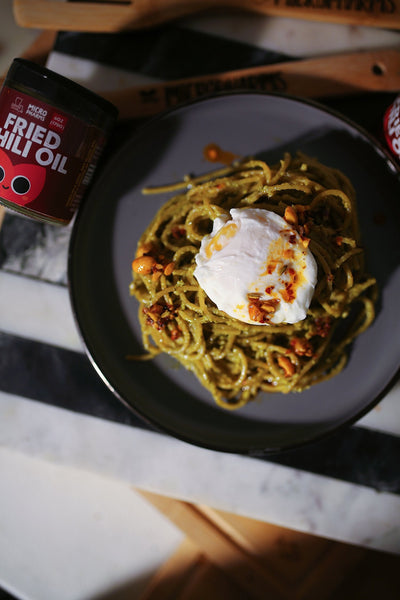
{"x":175,"y":334}
{"x":288,"y":294}
{"x":269,"y":289}
{"x":292,"y":238}
{"x":213,"y":153}
{"x":178,"y":232}
{"x":338,"y":240}
{"x":322,"y":326}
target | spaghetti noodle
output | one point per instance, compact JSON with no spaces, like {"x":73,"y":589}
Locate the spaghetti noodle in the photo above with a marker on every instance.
{"x":232,"y":359}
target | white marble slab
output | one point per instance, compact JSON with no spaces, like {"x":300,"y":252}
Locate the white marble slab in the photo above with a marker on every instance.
{"x":38,"y":311}
{"x":70,"y":534}
{"x":243,"y":485}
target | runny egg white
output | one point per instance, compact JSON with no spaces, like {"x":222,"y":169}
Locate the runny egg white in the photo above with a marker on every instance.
{"x":256,"y":268}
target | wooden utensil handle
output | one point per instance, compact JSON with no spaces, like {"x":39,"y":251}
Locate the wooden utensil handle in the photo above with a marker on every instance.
{"x":109,"y":16}
{"x":322,"y":77}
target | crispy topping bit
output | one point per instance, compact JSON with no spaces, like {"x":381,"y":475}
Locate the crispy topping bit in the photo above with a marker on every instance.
{"x":301,"y":347}
{"x":261,"y":310}
{"x":297,"y":218}
{"x":289,"y":290}
{"x":268,"y":306}
{"x":290,"y":216}
{"x":255,"y":312}
{"x":143,"y":265}
{"x":286,"y":364}
{"x":288,"y":293}
{"x":158,"y":315}
{"x":156,"y":309}
{"x":157,"y":271}
{"x":150,"y":260}
{"x":169,"y":268}
{"x":146,"y":248}
{"x":156,"y":275}
{"x":288,"y":253}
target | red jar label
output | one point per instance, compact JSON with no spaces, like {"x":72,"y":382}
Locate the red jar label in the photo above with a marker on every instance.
{"x":391,"y":127}
{"x":47,"y":156}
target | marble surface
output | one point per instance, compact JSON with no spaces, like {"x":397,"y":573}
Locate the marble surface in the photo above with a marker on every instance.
{"x":72,"y":457}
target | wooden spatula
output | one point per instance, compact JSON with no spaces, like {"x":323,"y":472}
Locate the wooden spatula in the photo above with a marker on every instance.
{"x":341,"y":74}
{"x":113,"y":16}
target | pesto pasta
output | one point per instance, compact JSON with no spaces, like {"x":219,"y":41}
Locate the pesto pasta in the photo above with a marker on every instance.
{"x":234,"y":360}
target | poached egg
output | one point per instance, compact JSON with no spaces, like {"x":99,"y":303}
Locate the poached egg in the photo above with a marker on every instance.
{"x":256,"y":268}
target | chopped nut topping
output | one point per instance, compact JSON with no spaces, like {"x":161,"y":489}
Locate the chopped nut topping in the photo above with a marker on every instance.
{"x":169,"y":268}
{"x":146,"y":248}
{"x":286,"y":364}
{"x":143,"y":265}
{"x":152,"y":260}
{"x":156,"y":275}
{"x":290,"y":216}
{"x":301,"y":347}
{"x":268,"y":306}
{"x":260,"y":310}
{"x":158,"y":315}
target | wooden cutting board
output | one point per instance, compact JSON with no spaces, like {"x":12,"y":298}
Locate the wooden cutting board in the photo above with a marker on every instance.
{"x":226,"y":556}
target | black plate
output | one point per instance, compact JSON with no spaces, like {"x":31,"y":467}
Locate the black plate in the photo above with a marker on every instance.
{"x":115,"y":214}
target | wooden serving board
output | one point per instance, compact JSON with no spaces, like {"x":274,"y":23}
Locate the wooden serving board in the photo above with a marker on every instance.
{"x":117,"y":16}
{"x":229,"y":556}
